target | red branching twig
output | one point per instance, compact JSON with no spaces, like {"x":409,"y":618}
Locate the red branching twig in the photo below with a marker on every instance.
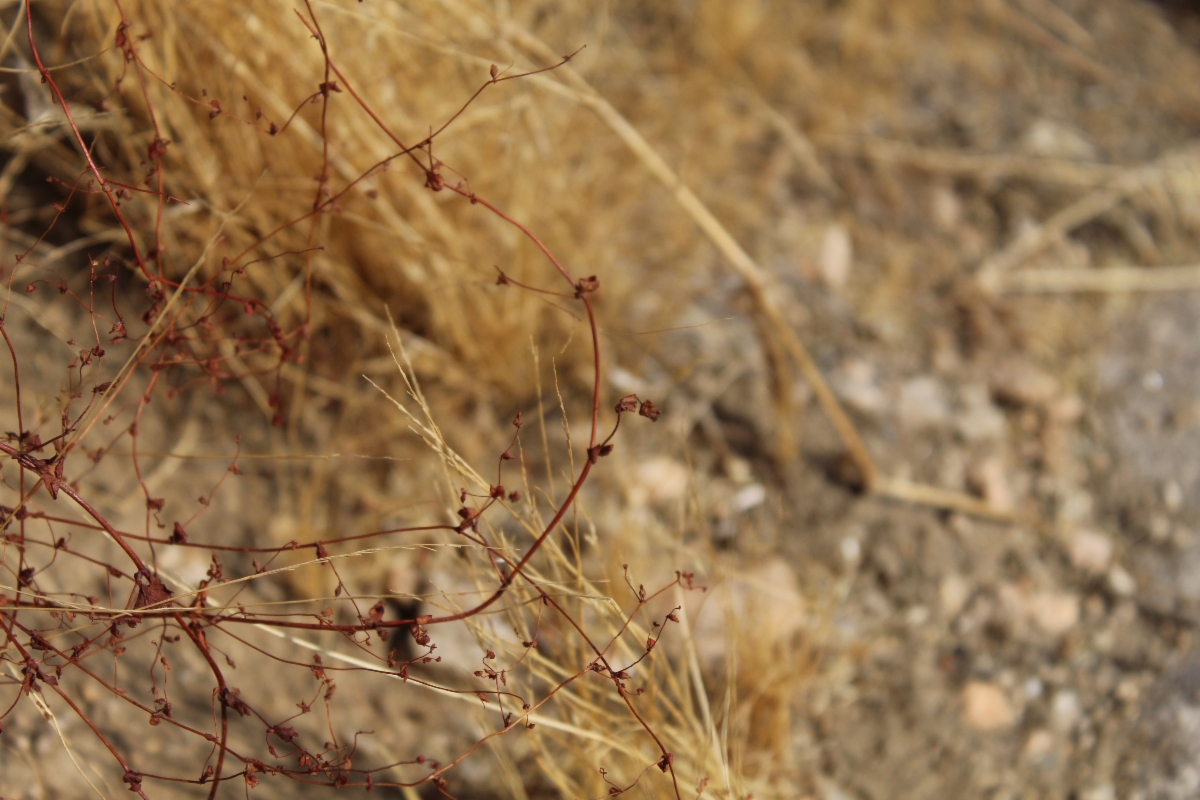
{"x":182,"y":349}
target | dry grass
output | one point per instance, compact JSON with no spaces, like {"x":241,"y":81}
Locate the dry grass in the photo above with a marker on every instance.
{"x":390,"y":246}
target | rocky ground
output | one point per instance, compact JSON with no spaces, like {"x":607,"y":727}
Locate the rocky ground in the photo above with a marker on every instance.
{"x":1048,"y":650}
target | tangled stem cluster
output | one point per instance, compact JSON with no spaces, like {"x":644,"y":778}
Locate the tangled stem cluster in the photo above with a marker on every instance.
{"x":55,"y":642}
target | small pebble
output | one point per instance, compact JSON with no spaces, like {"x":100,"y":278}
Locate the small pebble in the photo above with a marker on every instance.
{"x":1019,"y":383}
{"x":1105,"y":791}
{"x":837,"y":255}
{"x":989,"y":479}
{"x":659,"y":479}
{"x":856,"y":383}
{"x":1091,"y":552}
{"x":1067,"y":410}
{"x":1128,"y":690}
{"x":1049,"y":139}
{"x":946,"y":208}
{"x":922,"y":404}
{"x":1160,"y":528}
{"x":1121,"y":582}
{"x":953,"y":594}
{"x":1055,"y":612}
{"x":985,"y":707}
{"x":980,"y":421}
{"x":1065,"y":711}
{"x":917,"y":616}
{"x":851,"y":550}
{"x":746,"y":499}
{"x":1172,"y":496}
{"x":738,"y":469}
{"x":1038,"y":745}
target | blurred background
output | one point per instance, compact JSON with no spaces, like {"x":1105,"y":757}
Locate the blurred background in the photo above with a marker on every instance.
{"x":914,"y":282}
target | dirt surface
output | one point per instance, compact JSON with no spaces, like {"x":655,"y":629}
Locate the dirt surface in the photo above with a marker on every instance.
{"x":966,"y":657}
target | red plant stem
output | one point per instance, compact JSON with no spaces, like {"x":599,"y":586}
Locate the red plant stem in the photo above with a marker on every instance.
{"x":77,"y":663}
{"x":113,"y":532}
{"x":47,"y":78}
{"x":20,"y":432}
{"x":29,"y":660}
{"x":202,"y":646}
{"x":198,"y":618}
{"x":314,"y":29}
